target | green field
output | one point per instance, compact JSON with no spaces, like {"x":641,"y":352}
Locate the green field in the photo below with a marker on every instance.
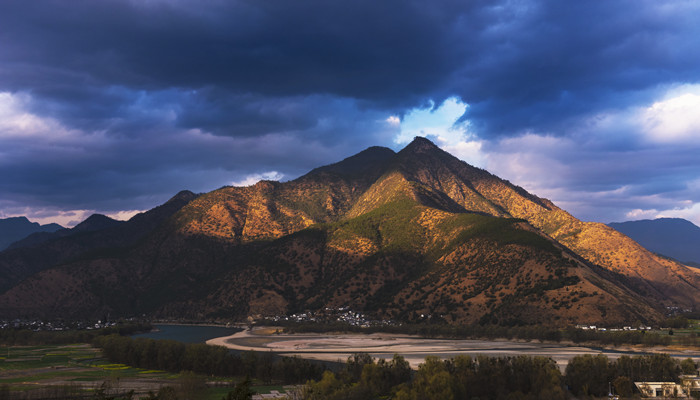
{"x":683,"y":336}
{"x":79,"y":369}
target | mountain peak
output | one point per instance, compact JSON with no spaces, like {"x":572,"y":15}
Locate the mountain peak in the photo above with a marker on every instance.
{"x":16,"y":228}
{"x":677,"y":221}
{"x":426,"y":151}
{"x":184,"y":196}
{"x":421,"y":145}
{"x":96,"y":222}
{"x":21,"y":219}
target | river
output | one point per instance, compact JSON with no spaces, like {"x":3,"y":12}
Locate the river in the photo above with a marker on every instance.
{"x":334,"y":347}
{"x":330,"y":347}
{"x":187,"y":333}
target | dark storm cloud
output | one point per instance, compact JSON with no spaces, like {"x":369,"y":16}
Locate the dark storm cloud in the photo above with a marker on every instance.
{"x":146,"y":152}
{"x":559,"y":61}
{"x":381,"y":51}
{"x":149,"y":96}
{"x":603,"y":182}
{"x":520,"y":65}
{"x":544,"y":62}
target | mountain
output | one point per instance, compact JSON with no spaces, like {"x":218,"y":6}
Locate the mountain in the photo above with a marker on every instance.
{"x":16,"y":228}
{"x":673,"y":237}
{"x":95,"y":236}
{"x":395,"y":235}
{"x":95,"y":222}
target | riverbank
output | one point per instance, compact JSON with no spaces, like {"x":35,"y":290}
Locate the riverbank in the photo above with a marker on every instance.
{"x":334,"y":347}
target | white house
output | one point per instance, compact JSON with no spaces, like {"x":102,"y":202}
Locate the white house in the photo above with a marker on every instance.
{"x":661,"y":389}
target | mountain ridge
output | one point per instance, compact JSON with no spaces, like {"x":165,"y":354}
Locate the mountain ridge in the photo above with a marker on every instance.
{"x":676,"y":238}
{"x":41,"y":251}
{"x":13,"y":229}
{"x":393,"y":234}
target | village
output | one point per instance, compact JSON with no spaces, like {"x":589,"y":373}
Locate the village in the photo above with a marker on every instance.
{"x":328,"y":315}
{"x":37,"y":325}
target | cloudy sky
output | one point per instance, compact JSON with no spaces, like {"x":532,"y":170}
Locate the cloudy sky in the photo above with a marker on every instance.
{"x":113,"y":106}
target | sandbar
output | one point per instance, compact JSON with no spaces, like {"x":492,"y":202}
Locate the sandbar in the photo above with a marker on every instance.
{"x":338,"y":347}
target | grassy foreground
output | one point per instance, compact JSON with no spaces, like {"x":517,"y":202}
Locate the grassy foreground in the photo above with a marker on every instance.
{"x":80,"y":370}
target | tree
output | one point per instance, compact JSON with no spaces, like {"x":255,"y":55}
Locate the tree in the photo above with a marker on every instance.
{"x":399,"y":370}
{"x":324,"y":389}
{"x":356,"y":364}
{"x":241,"y":391}
{"x":689,"y":367}
{"x":433,"y":381}
{"x":623,"y":386}
{"x":589,"y":375}
{"x":264,"y":368}
{"x":374,"y":378}
{"x":167,"y":393}
{"x":192,"y":386}
{"x":250,"y":362}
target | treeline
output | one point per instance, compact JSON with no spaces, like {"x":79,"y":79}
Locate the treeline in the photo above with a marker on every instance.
{"x":362,"y":378}
{"x":26,"y":337}
{"x":590,"y":375}
{"x":173,"y":356}
{"x":616,"y":337}
{"x":526,"y":332}
{"x":464,"y":377}
{"x":677,"y":322}
{"x":434,"y":330}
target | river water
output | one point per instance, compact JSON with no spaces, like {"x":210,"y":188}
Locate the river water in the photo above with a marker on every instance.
{"x":187,"y":333}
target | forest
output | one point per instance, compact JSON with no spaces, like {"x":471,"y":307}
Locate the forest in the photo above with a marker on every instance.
{"x":483,"y":377}
{"x":200,"y":358}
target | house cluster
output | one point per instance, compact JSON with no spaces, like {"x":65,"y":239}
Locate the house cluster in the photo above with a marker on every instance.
{"x":624,"y":328}
{"x":58,"y":325}
{"x":274,"y":394}
{"x":689,"y":387}
{"x":675,"y":310}
{"x":330,"y":315}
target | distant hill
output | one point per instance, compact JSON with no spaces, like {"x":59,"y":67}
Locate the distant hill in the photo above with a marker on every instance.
{"x":672,"y":237}
{"x":395,"y":235}
{"x":16,"y":228}
{"x":95,"y":237}
{"x":95,"y":222}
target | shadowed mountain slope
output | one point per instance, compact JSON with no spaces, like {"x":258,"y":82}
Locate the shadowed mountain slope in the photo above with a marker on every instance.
{"x":17,"y":228}
{"x":96,"y":235}
{"x":95,"y":222}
